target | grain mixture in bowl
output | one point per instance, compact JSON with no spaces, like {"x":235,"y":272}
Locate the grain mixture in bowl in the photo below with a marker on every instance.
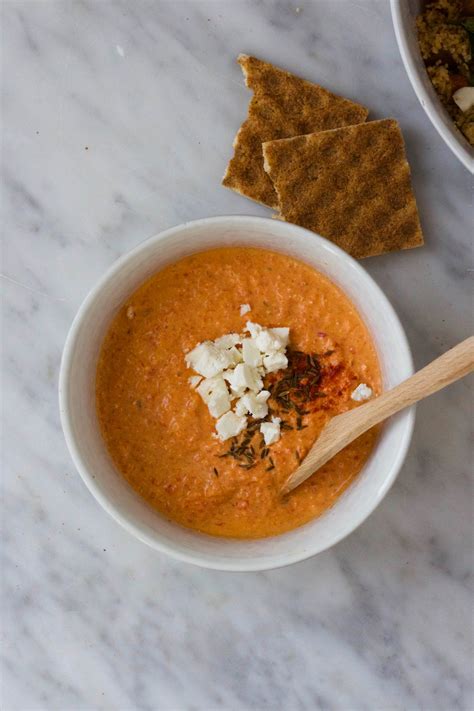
{"x":446,"y":40}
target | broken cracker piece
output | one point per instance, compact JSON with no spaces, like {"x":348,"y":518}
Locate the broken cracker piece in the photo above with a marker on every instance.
{"x":350,"y":185}
{"x":283,"y":105}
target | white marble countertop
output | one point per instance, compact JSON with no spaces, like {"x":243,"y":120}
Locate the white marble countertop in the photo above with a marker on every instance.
{"x":118,"y":122}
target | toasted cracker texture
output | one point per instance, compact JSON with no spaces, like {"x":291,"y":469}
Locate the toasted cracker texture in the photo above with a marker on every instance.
{"x":282,"y":106}
{"x":351,"y":185}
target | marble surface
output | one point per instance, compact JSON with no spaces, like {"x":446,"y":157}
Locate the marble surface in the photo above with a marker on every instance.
{"x":118,"y":119}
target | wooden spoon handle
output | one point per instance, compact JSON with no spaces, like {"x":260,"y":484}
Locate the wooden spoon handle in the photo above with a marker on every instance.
{"x":344,"y":429}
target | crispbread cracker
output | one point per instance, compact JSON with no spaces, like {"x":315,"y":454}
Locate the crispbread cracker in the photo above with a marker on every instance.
{"x":351,"y":185}
{"x":282,"y":106}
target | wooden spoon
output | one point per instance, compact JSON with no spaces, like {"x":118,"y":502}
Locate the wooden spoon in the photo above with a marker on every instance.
{"x":344,"y":429}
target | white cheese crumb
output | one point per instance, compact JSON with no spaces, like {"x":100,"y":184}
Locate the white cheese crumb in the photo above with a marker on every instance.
{"x":230,"y":425}
{"x":237,"y":392}
{"x":362,"y":392}
{"x":210,"y":385}
{"x":253,"y":328}
{"x":244,"y":309}
{"x":218,"y":405}
{"x":215,"y":394}
{"x":271,"y":430}
{"x":275,"y":361}
{"x":464,"y":98}
{"x":227,"y":341}
{"x":233,"y":367}
{"x":244,"y":376}
{"x":235,"y":355}
{"x":251,"y":353}
{"x":268,"y":340}
{"x":208,"y":360}
{"x":283,"y":335}
{"x":255,"y":405}
{"x":194,"y":380}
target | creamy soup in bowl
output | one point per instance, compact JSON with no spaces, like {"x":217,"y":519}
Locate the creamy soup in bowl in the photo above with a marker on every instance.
{"x":161,"y":435}
{"x":140,"y":418}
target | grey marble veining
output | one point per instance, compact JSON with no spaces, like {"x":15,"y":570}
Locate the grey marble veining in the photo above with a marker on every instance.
{"x":118,"y":120}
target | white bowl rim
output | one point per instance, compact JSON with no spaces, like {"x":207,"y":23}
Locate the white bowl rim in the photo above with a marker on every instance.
{"x":230,"y":565}
{"x":431,"y":106}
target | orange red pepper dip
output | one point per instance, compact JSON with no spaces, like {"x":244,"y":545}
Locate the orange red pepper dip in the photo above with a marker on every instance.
{"x":159,"y":432}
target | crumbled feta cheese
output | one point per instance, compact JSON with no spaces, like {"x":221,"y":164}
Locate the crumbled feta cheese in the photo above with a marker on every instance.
{"x":237,"y":392}
{"x":271,"y":430}
{"x":208,"y":360}
{"x":230,"y":425}
{"x":213,"y":389}
{"x":464,"y":98}
{"x":275,"y":361}
{"x":362,"y":392}
{"x":218,"y":405}
{"x":244,"y":309}
{"x":231,"y":339}
{"x":244,"y":376}
{"x":253,"y":328}
{"x":251,"y":353}
{"x":240,"y":407}
{"x":194,"y":380}
{"x":268,"y":340}
{"x":241,"y":362}
{"x":256,"y":405}
{"x":215,"y":394}
{"x":208,"y":386}
{"x":236,"y":355}
{"x":283,"y":335}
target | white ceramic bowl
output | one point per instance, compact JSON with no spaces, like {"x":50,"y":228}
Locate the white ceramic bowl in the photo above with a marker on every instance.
{"x":404,"y":13}
{"x":77,"y":397}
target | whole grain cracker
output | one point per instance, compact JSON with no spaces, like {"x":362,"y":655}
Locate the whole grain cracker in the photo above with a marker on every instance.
{"x":283,"y":105}
{"x":350,"y":185}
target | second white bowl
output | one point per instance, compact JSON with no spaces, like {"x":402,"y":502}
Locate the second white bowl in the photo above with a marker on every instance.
{"x":404,"y":13}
